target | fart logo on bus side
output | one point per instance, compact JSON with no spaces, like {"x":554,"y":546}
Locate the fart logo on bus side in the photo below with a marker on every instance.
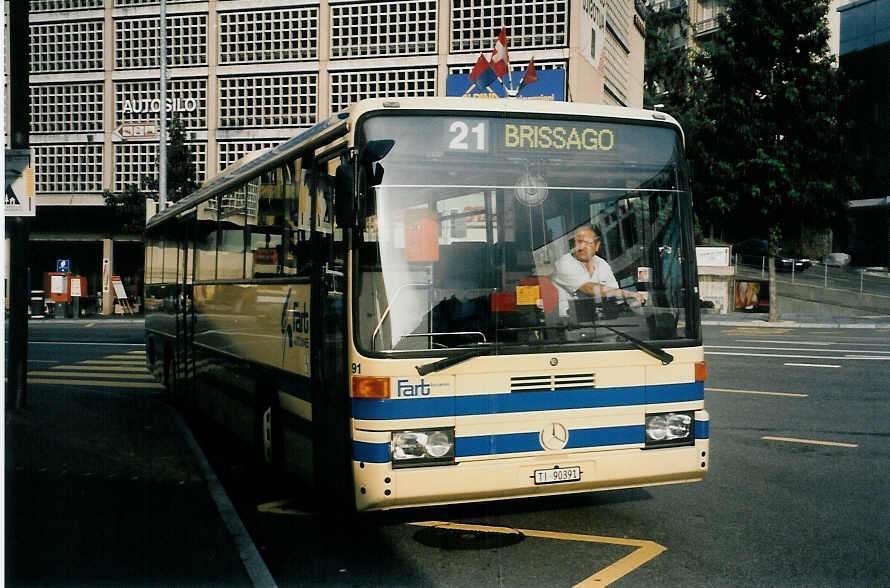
{"x":294,"y":329}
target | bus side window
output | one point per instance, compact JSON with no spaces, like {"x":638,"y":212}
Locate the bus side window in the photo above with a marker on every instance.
{"x":265,"y":230}
{"x":235,"y":207}
{"x":205,"y":241}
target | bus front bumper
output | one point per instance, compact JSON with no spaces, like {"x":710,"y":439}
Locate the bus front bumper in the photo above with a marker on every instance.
{"x":378,"y":486}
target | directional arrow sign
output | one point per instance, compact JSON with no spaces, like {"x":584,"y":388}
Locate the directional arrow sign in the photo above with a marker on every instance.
{"x":137,"y":131}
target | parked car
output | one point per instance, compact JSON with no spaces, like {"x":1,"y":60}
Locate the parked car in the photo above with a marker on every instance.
{"x":755,"y":251}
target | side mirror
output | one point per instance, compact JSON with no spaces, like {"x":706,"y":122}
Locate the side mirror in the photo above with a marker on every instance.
{"x":344,"y":194}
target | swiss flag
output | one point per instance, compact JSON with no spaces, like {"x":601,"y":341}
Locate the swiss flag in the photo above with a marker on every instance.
{"x":500,"y":59}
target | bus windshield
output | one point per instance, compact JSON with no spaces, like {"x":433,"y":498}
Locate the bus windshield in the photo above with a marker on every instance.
{"x":485,"y":233}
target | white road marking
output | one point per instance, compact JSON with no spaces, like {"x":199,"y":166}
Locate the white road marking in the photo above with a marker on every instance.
{"x":819,"y":365}
{"x":250,"y":556}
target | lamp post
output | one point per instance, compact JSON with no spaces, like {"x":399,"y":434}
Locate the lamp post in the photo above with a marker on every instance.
{"x":162,"y":135}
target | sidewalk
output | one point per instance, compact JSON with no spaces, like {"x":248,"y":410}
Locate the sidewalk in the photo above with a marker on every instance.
{"x":796,"y":320}
{"x":103,"y":489}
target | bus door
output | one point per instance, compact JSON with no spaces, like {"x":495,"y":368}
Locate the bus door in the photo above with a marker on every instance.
{"x":330,"y":397}
{"x":185,"y":309}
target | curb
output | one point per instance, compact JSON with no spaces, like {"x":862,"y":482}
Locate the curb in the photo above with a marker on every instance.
{"x":796,"y":324}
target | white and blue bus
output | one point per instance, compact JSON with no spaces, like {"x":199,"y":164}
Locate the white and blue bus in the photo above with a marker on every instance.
{"x":377,"y":305}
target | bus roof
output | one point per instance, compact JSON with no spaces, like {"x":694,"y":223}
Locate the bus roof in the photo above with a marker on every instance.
{"x":507,"y":106}
{"x":337,"y":125}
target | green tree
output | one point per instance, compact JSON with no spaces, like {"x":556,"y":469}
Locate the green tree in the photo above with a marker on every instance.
{"x":669,"y":72}
{"x":127,"y":209}
{"x":181,"y":170}
{"x":672,"y":75}
{"x":771,"y":142}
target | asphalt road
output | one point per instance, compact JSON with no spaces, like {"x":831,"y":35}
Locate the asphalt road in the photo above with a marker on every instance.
{"x":798,"y":493}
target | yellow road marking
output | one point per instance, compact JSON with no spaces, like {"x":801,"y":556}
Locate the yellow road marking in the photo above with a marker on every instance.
{"x":99,"y":383}
{"x":645,"y":550}
{"x":811,"y":442}
{"x":59,"y":374}
{"x":277,"y":507}
{"x":756,"y":331}
{"x":756,"y":392}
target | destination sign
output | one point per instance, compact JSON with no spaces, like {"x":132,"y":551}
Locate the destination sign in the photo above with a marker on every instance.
{"x":557,"y":136}
{"x":472,"y":135}
{"x":474,"y":138}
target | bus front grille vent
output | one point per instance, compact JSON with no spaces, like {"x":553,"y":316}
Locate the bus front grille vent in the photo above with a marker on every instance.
{"x":552,"y":382}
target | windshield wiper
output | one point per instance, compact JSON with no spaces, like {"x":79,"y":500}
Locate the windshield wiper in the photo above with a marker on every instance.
{"x":656,"y":352}
{"x":451,"y":360}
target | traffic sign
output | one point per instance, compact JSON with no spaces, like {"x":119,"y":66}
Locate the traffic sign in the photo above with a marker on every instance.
{"x":63,"y":265}
{"x":19,"y":196}
{"x":137,"y":131}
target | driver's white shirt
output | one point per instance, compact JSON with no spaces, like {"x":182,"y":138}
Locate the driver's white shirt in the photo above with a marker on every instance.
{"x":571,"y":274}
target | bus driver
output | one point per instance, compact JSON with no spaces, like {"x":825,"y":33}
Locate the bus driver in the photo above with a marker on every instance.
{"x":582,"y":272}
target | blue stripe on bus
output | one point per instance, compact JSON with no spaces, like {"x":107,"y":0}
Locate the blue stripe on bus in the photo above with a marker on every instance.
{"x":675,"y":392}
{"x":702,"y":429}
{"x":528,"y":442}
{"x":481,"y":404}
{"x":513,"y":443}
{"x":370,"y":452}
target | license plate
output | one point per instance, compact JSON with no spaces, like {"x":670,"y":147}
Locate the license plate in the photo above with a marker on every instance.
{"x":558,"y":475}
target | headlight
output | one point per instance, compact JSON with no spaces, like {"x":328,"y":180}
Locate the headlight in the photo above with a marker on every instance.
{"x":669,"y":428}
{"x":422,"y":447}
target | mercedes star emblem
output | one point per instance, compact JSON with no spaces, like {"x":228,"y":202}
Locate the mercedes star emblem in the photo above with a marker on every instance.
{"x":554,"y":436}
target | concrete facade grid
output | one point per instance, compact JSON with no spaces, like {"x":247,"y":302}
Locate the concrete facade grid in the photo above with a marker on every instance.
{"x":244,"y":74}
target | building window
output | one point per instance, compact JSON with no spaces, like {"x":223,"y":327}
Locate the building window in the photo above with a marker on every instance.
{"x":515,"y":66}
{"x":270,"y":101}
{"x":373,"y":29}
{"x":530,"y":24}
{"x":63,"y":169}
{"x":348,"y":87}
{"x":139,"y":101}
{"x":133,"y":161}
{"x":230,"y":151}
{"x":66,"y":108}
{"x":69,"y":46}
{"x":144,"y":2}
{"x":137,"y":41}
{"x":52,"y":5}
{"x":270,"y":35}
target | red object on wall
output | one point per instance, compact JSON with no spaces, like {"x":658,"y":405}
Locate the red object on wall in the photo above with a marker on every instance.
{"x":56,"y":293}
{"x":421,"y":235}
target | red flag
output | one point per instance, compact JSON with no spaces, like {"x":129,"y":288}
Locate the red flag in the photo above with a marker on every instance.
{"x":482,"y":76}
{"x":500,"y":59}
{"x":530,"y":76}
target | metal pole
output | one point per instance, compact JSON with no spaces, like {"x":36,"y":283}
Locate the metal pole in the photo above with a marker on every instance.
{"x":825,"y":285}
{"x":861,"y":278}
{"x":162,"y":136}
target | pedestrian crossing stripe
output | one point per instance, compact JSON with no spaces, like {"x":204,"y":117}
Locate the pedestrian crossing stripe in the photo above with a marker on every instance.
{"x":97,"y":368}
{"x":97,"y":383}
{"x":136,"y":376}
{"x":112,"y":362}
{"x":113,"y":371}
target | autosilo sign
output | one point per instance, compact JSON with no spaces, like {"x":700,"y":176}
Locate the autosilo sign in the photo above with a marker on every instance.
{"x":152,"y":105}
